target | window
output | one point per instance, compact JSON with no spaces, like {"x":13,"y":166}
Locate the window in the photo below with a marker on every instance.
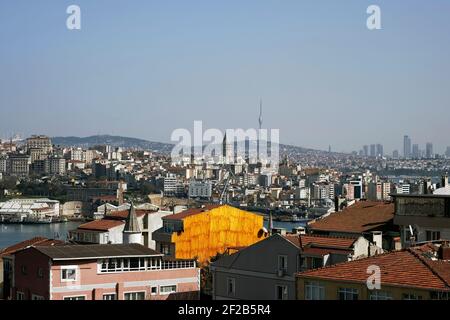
{"x":314,"y":291}
{"x":36,"y":297}
{"x":23,"y":269}
{"x":411,"y":296}
{"x":165,"y":248}
{"x":380,"y":295}
{"x":75,"y":298}
{"x":281,"y":292}
{"x":20,"y":295}
{"x":154,"y":291}
{"x":69,"y":274}
{"x":112,"y":265}
{"x":433,"y":235}
{"x":167,"y":289}
{"x":231,"y":286}
{"x":134,"y":295}
{"x":316,"y":263}
{"x":435,"y":295}
{"x":282,"y":263}
{"x":348,"y":294}
{"x":40,"y":272}
{"x":134,"y":263}
{"x":109,"y":296}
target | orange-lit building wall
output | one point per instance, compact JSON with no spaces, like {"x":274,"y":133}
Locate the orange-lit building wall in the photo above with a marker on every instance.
{"x":211,"y":232}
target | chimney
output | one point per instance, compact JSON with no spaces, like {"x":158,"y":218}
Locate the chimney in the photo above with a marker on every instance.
{"x":444,"y":252}
{"x":336,"y":204}
{"x":444,"y":181}
{"x":377,"y":238}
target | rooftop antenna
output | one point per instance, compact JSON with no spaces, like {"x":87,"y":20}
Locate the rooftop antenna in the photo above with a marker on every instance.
{"x":260,"y":119}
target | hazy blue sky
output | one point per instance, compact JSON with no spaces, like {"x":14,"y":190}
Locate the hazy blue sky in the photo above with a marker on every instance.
{"x":144,"y":68}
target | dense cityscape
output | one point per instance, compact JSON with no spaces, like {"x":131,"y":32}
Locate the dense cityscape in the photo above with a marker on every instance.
{"x":224,"y":159}
{"x":205,"y":221}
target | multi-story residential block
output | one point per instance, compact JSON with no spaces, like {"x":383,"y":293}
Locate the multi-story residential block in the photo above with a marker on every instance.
{"x":39,"y":142}
{"x":172,"y":186}
{"x":354,"y":189}
{"x":102,"y":272}
{"x":370,"y":219}
{"x":204,"y":232}
{"x":272,"y":263}
{"x":18,"y":165}
{"x":419,"y":273}
{"x":200,"y":189}
{"x":55,"y":165}
{"x":37,"y":154}
{"x":7,"y":262}
{"x":3,"y":162}
{"x":422,"y":217}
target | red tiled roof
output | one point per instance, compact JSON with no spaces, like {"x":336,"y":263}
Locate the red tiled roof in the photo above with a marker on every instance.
{"x":324,"y":251}
{"x":360,"y":217}
{"x":105,"y":198}
{"x":322,"y":241}
{"x":101,"y":225}
{"x":41,"y":241}
{"x":190,"y":212}
{"x":398,"y":268}
{"x":124,"y":213}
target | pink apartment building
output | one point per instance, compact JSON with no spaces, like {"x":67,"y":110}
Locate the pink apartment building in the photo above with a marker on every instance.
{"x":102,"y":272}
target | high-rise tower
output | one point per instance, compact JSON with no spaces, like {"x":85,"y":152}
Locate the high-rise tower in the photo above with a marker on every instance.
{"x":260,"y":121}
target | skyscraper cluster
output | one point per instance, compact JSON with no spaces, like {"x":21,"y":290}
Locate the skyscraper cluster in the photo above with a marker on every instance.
{"x":413,"y":151}
{"x":373,"y":151}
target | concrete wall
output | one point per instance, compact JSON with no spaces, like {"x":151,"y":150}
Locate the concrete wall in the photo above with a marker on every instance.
{"x":30,"y":283}
{"x":73,"y":208}
{"x":255,"y":270}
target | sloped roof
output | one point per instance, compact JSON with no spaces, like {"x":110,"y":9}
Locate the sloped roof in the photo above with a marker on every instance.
{"x":123,"y":214}
{"x":304,"y":240}
{"x":361,"y":217}
{"x":96,"y":251}
{"x":42,"y":241}
{"x":191,"y":212}
{"x":398,"y":268}
{"x":101,"y":225}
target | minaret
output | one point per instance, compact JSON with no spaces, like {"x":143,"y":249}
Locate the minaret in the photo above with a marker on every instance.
{"x":132,"y":231}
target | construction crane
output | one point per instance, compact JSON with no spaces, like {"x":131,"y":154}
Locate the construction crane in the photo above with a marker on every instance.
{"x":226,"y":179}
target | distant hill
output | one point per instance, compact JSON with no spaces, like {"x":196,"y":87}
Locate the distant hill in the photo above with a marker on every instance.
{"x":115,"y":141}
{"x":165,"y":148}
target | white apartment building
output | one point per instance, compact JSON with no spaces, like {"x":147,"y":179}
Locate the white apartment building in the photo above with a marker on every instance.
{"x":200,"y":189}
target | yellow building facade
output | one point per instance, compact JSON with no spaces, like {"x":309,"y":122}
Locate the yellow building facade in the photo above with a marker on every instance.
{"x":213,"y":231}
{"x":333,"y":290}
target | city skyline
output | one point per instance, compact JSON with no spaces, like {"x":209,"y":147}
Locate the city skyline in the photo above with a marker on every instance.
{"x":129,"y":71}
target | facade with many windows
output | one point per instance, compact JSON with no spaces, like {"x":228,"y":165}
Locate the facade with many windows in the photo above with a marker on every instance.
{"x":102,"y":272}
{"x":398,"y":273}
{"x":422,"y":217}
{"x":271,"y":265}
